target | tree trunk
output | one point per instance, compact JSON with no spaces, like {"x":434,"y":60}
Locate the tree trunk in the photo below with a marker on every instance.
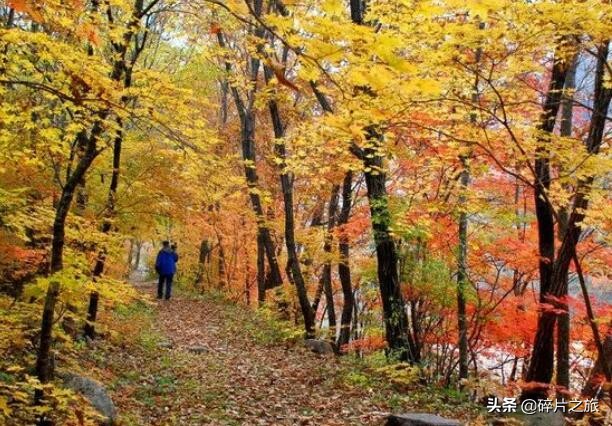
{"x":203,"y":263}
{"x":222,"y":278}
{"x":43,"y":361}
{"x":563,"y":325}
{"x":462,"y":275}
{"x":111,"y":198}
{"x":43,"y":369}
{"x":261,"y":271}
{"x":540,"y":369}
{"x":394,"y":310}
{"x":247,"y":127}
{"x":327,"y":270}
{"x":138,"y":252}
{"x":287,"y":188}
{"x":344,"y":270}
{"x":316,"y":300}
{"x":122,"y":71}
{"x":92,"y":312}
{"x":541,"y":363}
{"x":68,"y":192}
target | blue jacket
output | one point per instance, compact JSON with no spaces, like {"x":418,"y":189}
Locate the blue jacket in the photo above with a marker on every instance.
{"x":166,"y":262}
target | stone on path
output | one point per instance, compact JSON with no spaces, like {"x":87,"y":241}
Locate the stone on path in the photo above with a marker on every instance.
{"x":165,"y":344}
{"x":95,"y":392}
{"x":420,"y":419}
{"x":541,"y":419}
{"x":197,"y":349}
{"x":319,"y":346}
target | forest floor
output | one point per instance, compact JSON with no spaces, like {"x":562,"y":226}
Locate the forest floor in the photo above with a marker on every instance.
{"x":198,"y":360}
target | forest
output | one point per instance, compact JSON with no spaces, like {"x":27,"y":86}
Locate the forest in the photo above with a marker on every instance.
{"x":380,"y":207}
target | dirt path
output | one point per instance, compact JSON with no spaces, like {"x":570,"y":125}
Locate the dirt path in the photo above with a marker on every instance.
{"x":218,"y":371}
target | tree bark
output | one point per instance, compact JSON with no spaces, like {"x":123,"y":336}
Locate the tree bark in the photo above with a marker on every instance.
{"x":344,"y":269}
{"x":287,"y":188}
{"x":92,"y":312}
{"x":222,"y":270}
{"x":90,"y":152}
{"x":43,"y":365}
{"x":462,"y":275}
{"x":563,"y":324}
{"x":261,"y":271}
{"x":394,"y":310}
{"x":327,"y":269}
{"x":247,"y":127}
{"x":138,"y":253}
{"x":203,"y":262}
{"x":109,"y":212}
{"x":122,"y":71}
{"x":541,"y":364}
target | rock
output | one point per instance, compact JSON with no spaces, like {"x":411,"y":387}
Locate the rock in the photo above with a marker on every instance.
{"x":319,"y":346}
{"x":95,"y":392}
{"x":420,"y":419}
{"x":197,"y":349}
{"x":505,"y":421}
{"x":541,"y":419}
{"x":91,"y":343}
{"x":165,"y":344}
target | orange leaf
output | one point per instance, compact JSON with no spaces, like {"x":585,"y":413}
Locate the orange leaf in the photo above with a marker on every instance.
{"x":279,"y":73}
{"x":215,"y":28}
{"x":25,"y":6}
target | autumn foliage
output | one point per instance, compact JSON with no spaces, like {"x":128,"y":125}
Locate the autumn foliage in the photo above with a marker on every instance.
{"x":427,"y":179}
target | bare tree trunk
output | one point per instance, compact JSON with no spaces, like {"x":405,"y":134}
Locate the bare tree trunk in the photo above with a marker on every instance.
{"x":247,"y":268}
{"x":316,"y":300}
{"x":110,"y":201}
{"x":92,"y":313}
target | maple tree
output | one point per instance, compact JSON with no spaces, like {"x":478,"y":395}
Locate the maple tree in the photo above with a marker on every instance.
{"x":407,"y":176}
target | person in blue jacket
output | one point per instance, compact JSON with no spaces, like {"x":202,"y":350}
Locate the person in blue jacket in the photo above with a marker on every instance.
{"x":165,"y":265}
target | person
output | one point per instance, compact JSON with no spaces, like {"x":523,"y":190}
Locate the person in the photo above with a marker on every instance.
{"x":165,"y":265}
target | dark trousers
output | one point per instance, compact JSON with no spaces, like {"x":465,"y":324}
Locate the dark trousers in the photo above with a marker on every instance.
{"x":160,"y":285}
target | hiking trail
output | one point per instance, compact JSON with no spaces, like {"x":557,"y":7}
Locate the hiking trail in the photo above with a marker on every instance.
{"x":207,"y":369}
